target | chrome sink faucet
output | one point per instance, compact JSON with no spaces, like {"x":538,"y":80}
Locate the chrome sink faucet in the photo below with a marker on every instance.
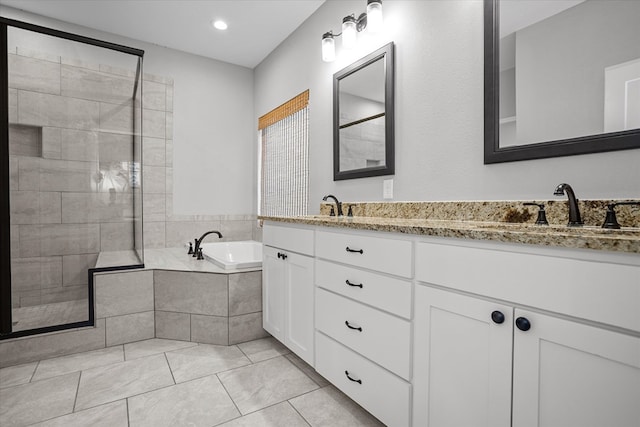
{"x":574,"y":211}
{"x":338,"y":203}
{"x":197,"y":252}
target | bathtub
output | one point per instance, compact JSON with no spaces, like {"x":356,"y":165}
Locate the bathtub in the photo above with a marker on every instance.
{"x":233,"y":255}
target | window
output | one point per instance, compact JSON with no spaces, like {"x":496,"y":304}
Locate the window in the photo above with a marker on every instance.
{"x":284,"y":159}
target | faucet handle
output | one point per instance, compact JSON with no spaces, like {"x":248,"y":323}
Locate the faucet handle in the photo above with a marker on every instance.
{"x":332,"y":212}
{"x":200,"y":256}
{"x":610,"y":221}
{"x":542,"y":216}
{"x":190,"y":249}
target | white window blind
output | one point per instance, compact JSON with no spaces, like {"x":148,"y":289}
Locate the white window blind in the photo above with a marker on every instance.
{"x":284,"y":176}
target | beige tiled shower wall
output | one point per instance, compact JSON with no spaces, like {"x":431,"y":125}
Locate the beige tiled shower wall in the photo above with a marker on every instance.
{"x":70,"y":131}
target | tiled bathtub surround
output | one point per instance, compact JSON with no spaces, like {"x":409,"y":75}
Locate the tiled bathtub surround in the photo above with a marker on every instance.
{"x":175,"y":297}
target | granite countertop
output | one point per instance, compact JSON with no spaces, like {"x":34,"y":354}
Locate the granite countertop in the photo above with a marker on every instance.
{"x":626,"y":239}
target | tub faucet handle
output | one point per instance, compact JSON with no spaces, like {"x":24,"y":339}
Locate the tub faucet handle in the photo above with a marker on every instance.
{"x":190,"y":249}
{"x":200,"y":256}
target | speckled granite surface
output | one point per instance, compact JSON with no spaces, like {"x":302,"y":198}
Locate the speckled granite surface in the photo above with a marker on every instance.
{"x":593,"y":211}
{"x":489,"y":221}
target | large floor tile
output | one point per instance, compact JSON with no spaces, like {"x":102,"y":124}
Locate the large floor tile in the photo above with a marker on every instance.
{"x":34,"y":402}
{"x":120,"y":380}
{"x":264,"y":384}
{"x":16,"y":375}
{"x":263,"y":349}
{"x":78,"y":362}
{"x":279,"y":415}
{"x":203,"y":360}
{"x":110,"y":415}
{"x":307,"y":369}
{"x":201,"y":402}
{"x":328,"y":407}
{"x":153,"y":346}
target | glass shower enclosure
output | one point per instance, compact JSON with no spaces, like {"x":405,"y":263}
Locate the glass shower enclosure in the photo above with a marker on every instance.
{"x":70,"y":168}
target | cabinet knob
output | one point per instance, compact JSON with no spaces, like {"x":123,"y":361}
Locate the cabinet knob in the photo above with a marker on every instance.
{"x":497,"y":317}
{"x":523,"y":324}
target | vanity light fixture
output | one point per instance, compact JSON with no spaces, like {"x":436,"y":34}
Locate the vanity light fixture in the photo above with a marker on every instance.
{"x":351,"y":26}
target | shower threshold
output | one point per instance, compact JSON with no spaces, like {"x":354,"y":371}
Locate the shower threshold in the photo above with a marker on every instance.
{"x":58,"y":313}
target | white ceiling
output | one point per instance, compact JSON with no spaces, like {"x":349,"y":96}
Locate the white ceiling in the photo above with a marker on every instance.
{"x":256,"y":27}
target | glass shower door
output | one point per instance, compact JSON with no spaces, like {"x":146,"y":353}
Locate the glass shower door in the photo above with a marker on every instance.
{"x":74,"y":132}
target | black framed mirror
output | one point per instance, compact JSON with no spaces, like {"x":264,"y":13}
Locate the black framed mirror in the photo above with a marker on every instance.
{"x":560,"y":78}
{"x":363,"y":119}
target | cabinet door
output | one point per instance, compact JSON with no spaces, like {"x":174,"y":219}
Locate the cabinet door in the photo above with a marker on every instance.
{"x":273,"y":292}
{"x":571,"y":374}
{"x":462,"y":361}
{"x":299,"y":331}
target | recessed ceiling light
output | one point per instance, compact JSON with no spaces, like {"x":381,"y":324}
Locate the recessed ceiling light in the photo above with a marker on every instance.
{"x":220,"y":25}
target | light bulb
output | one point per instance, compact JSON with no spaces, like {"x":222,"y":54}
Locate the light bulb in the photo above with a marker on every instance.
{"x":220,"y":25}
{"x":328,"y":47}
{"x":349,"y":32}
{"x":374,"y":15}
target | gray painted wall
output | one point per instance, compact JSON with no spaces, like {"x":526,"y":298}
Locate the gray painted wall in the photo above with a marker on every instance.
{"x":439,"y":111}
{"x":561,"y":85}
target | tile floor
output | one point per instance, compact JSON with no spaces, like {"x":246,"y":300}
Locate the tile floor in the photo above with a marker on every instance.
{"x":175,"y":383}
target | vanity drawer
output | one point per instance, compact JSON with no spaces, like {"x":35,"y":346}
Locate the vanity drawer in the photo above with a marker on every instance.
{"x":381,"y":337}
{"x":294,"y":239}
{"x":377,"y":253}
{"x":380,"y":392}
{"x":387,"y":293}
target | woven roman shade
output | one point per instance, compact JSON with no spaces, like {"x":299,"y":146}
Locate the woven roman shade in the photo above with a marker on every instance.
{"x":284,"y":159}
{"x":290,"y":107}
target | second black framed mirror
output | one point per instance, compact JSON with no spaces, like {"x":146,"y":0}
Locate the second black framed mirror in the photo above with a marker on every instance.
{"x":560,"y":78}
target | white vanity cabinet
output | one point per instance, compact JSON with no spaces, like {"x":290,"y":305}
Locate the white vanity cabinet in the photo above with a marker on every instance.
{"x":287,"y":287}
{"x":525,"y":366}
{"x":363,"y":319}
{"x":462,"y":360}
{"x":568,"y":373}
